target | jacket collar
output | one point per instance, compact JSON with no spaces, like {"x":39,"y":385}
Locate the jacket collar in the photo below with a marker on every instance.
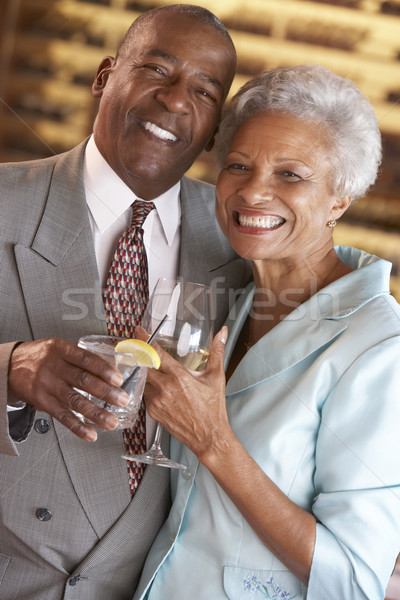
{"x":310,"y":326}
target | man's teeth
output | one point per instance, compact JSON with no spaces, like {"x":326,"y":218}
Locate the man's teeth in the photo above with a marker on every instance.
{"x":266,"y":222}
{"x":160,"y":133}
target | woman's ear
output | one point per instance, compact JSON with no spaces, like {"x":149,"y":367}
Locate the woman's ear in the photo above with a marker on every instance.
{"x":339,"y":207}
{"x":102,"y":74}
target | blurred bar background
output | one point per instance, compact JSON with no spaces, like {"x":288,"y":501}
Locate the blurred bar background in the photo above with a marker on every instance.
{"x":50,"y":50}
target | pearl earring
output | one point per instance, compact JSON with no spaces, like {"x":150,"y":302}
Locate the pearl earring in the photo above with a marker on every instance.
{"x":331,"y":224}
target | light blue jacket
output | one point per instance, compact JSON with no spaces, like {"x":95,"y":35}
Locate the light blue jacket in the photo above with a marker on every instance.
{"x":316,"y":402}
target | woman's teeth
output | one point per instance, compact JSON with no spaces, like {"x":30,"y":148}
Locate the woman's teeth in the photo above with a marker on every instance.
{"x":265,"y":222}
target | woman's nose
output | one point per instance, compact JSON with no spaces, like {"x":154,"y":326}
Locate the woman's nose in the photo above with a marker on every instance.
{"x":174,"y":96}
{"x":257,"y":189}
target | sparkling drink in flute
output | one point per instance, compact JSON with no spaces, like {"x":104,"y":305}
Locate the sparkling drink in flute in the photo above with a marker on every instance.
{"x":194,"y":360}
{"x":186,"y":334}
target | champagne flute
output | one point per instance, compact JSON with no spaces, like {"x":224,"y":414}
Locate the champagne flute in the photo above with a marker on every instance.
{"x":186,"y":334}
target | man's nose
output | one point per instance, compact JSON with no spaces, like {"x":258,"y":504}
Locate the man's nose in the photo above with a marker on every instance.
{"x":174,"y":96}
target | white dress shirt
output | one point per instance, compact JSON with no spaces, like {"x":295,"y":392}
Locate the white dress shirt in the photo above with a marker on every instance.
{"x":109,"y":202}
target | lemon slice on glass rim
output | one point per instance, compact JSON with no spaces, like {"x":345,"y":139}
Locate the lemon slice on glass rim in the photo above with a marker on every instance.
{"x":143,"y":353}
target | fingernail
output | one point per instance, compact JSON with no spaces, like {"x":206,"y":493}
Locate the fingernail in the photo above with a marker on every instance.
{"x":116,"y":378}
{"x":91,"y":436}
{"x":224,"y":334}
{"x":123,"y":398}
{"x":111,"y":421}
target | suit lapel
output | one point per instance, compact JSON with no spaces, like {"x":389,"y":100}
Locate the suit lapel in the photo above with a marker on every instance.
{"x":60,"y":266}
{"x":65,"y":215}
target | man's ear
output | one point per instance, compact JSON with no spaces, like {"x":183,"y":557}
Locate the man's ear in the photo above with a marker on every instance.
{"x":211,"y":142}
{"x":339,"y":207}
{"x":102,"y":76}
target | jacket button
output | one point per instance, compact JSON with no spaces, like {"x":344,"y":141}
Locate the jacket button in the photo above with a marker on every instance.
{"x":41,"y":425}
{"x":44,"y":514}
{"x":75,"y":579}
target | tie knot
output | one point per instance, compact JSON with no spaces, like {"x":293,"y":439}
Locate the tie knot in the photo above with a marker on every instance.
{"x":140,"y":210}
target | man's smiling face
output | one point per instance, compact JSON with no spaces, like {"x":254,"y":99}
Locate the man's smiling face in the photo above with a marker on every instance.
{"x":161,"y":101}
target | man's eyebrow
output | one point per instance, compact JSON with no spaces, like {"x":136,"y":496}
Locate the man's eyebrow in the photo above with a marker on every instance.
{"x":207,"y":79}
{"x":161,"y":54}
{"x":156,"y":52}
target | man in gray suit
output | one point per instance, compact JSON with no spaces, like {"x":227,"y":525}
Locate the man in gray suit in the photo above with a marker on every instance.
{"x":69,"y":527}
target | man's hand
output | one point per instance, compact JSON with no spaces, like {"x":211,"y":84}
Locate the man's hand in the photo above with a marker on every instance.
{"x":45,"y":372}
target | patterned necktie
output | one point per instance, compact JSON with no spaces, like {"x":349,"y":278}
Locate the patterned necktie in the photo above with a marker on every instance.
{"x":125,"y":299}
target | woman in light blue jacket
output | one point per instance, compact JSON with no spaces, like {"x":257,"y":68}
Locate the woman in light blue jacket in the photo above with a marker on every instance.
{"x":294,"y":483}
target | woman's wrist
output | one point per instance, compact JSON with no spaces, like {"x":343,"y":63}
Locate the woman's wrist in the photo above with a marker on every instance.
{"x":219,"y":451}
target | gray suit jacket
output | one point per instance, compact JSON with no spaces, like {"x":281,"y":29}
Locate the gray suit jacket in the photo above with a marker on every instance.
{"x":91,"y":539}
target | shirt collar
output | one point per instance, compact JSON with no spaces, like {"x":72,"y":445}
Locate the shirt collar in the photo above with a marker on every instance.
{"x":108,"y":197}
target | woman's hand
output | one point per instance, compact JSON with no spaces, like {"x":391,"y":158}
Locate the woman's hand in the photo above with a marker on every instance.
{"x":189,"y":404}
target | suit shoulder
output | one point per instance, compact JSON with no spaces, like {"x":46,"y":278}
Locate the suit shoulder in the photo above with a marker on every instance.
{"x":25,"y":186}
{"x":19,"y":175}
{"x":26,"y":165}
{"x":193,"y":188}
{"x":29,"y":170}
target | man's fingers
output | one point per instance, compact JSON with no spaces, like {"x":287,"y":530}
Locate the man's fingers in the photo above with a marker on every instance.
{"x":76,"y":403}
{"x":92,"y":384}
{"x":72,"y":400}
{"x":92,"y":363}
{"x":74,"y":424}
{"x":61,"y":401}
{"x":32,"y":358}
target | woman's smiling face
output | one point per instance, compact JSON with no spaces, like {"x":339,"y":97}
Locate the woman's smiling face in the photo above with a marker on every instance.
{"x":273,"y":193}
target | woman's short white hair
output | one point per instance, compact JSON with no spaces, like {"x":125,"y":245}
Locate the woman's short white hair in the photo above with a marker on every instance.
{"x":312,"y":93}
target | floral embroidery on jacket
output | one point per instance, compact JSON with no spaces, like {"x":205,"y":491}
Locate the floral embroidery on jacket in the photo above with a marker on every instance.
{"x":268,"y":590}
